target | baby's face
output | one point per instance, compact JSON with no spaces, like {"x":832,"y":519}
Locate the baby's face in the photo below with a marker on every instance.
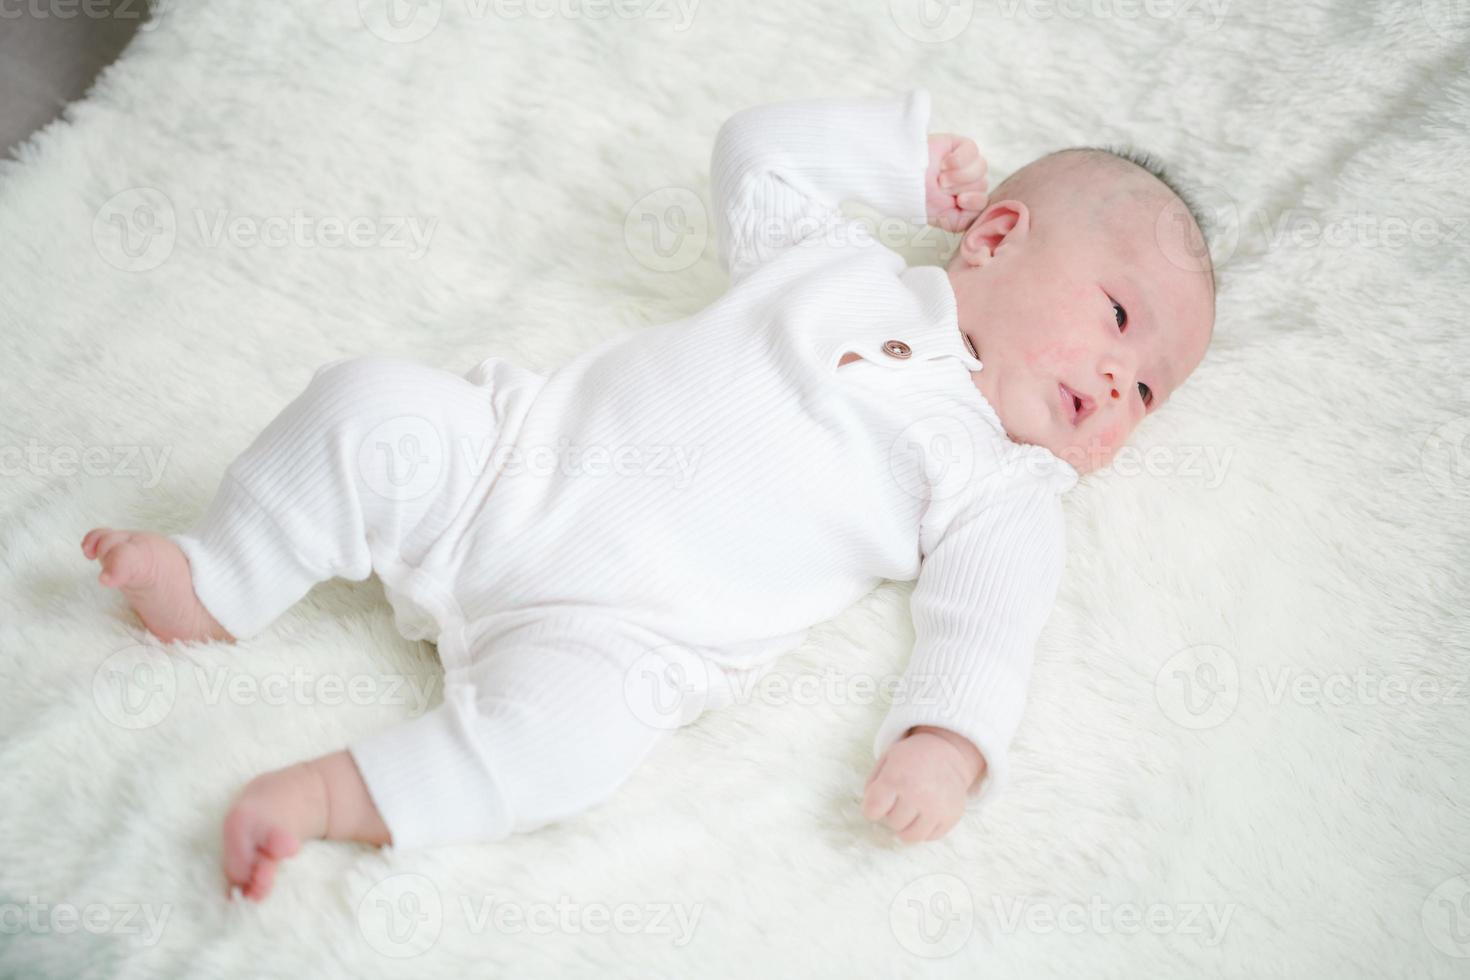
{"x":1083,"y":323}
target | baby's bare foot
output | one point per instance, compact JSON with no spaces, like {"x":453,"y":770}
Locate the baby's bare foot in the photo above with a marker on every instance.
{"x":153,"y":574}
{"x":270,"y":818}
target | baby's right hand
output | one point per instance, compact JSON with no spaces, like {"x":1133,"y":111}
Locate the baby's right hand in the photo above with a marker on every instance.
{"x":955,"y":185}
{"x":919,"y":787}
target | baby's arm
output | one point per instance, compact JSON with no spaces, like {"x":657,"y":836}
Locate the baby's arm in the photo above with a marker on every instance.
{"x":779,"y":173}
{"x":984,"y":593}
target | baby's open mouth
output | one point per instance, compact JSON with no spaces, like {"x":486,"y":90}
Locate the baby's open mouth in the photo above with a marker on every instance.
{"x":1077,"y":406}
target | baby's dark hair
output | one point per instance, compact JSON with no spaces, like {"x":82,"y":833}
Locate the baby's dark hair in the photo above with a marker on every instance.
{"x":1147,"y":161}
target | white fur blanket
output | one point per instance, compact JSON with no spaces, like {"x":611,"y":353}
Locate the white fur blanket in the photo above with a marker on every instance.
{"x":1245,"y":752}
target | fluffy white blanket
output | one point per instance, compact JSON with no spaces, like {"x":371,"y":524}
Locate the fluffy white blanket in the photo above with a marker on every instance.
{"x":1245,"y":750}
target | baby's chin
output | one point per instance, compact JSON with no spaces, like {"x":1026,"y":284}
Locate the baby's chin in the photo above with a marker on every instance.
{"x":1083,"y":454}
{"x":1032,"y":423}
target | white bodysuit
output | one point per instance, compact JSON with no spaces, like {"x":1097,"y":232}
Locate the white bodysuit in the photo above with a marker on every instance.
{"x":602,"y":551}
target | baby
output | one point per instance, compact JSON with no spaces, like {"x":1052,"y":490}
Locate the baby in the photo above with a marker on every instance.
{"x":838,"y":419}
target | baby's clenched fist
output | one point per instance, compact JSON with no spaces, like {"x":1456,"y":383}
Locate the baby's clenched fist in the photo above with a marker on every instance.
{"x":956,"y":189}
{"x":919,"y":787}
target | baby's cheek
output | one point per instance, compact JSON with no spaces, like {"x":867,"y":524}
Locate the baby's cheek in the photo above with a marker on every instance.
{"x":1055,"y":357}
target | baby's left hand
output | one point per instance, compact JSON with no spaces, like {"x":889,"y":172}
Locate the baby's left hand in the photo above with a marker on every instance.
{"x":920,"y":785}
{"x":955,"y":186}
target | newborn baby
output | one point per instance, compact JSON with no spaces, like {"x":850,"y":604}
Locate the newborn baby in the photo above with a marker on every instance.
{"x":604,"y":552}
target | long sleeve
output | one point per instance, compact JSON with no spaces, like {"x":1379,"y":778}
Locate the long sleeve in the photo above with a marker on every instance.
{"x":983,"y":595}
{"x":780,"y":173}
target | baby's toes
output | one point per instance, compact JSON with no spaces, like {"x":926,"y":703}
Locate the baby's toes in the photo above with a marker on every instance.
{"x":89,"y":543}
{"x":254,"y":846}
{"x":277,"y":846}
{"x":102,"y":540}
{"x":262,"y":879}
{"x":239,"y":847}
{"x":108,"y":542}
{"x":123,"y":563}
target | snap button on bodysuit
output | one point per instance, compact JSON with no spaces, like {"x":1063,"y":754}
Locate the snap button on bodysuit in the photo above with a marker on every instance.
{"x":896,"y":348}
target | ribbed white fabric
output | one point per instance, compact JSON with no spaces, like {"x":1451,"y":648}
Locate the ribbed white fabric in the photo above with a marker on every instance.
{"x":599,"y":552}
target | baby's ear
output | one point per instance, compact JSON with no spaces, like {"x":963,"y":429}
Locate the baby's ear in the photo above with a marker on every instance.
{"x":999,"y":223}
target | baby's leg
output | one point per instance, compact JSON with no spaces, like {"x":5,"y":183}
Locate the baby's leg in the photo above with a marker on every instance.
{"x":277,"y":811}
{"x":370,"y":457}
{"x":544,"y":726}
{"x":540,"y":729}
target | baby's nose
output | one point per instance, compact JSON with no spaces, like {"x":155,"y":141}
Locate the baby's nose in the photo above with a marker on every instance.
{"x":1118,"y":377}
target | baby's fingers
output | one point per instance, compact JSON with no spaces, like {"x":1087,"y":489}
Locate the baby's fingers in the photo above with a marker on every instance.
{"x":901,"y":816}
{"x":963,"y":174}
{"x":965,"y":153}
{"x":878,"y":800}
{"x":920,"y":830}
{"x":972,"y":200}
{"x":943,"y":827}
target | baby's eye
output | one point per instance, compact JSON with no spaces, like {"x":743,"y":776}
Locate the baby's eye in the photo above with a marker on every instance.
{"x":1146,"y":394}
{"x":1121,"y":315}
